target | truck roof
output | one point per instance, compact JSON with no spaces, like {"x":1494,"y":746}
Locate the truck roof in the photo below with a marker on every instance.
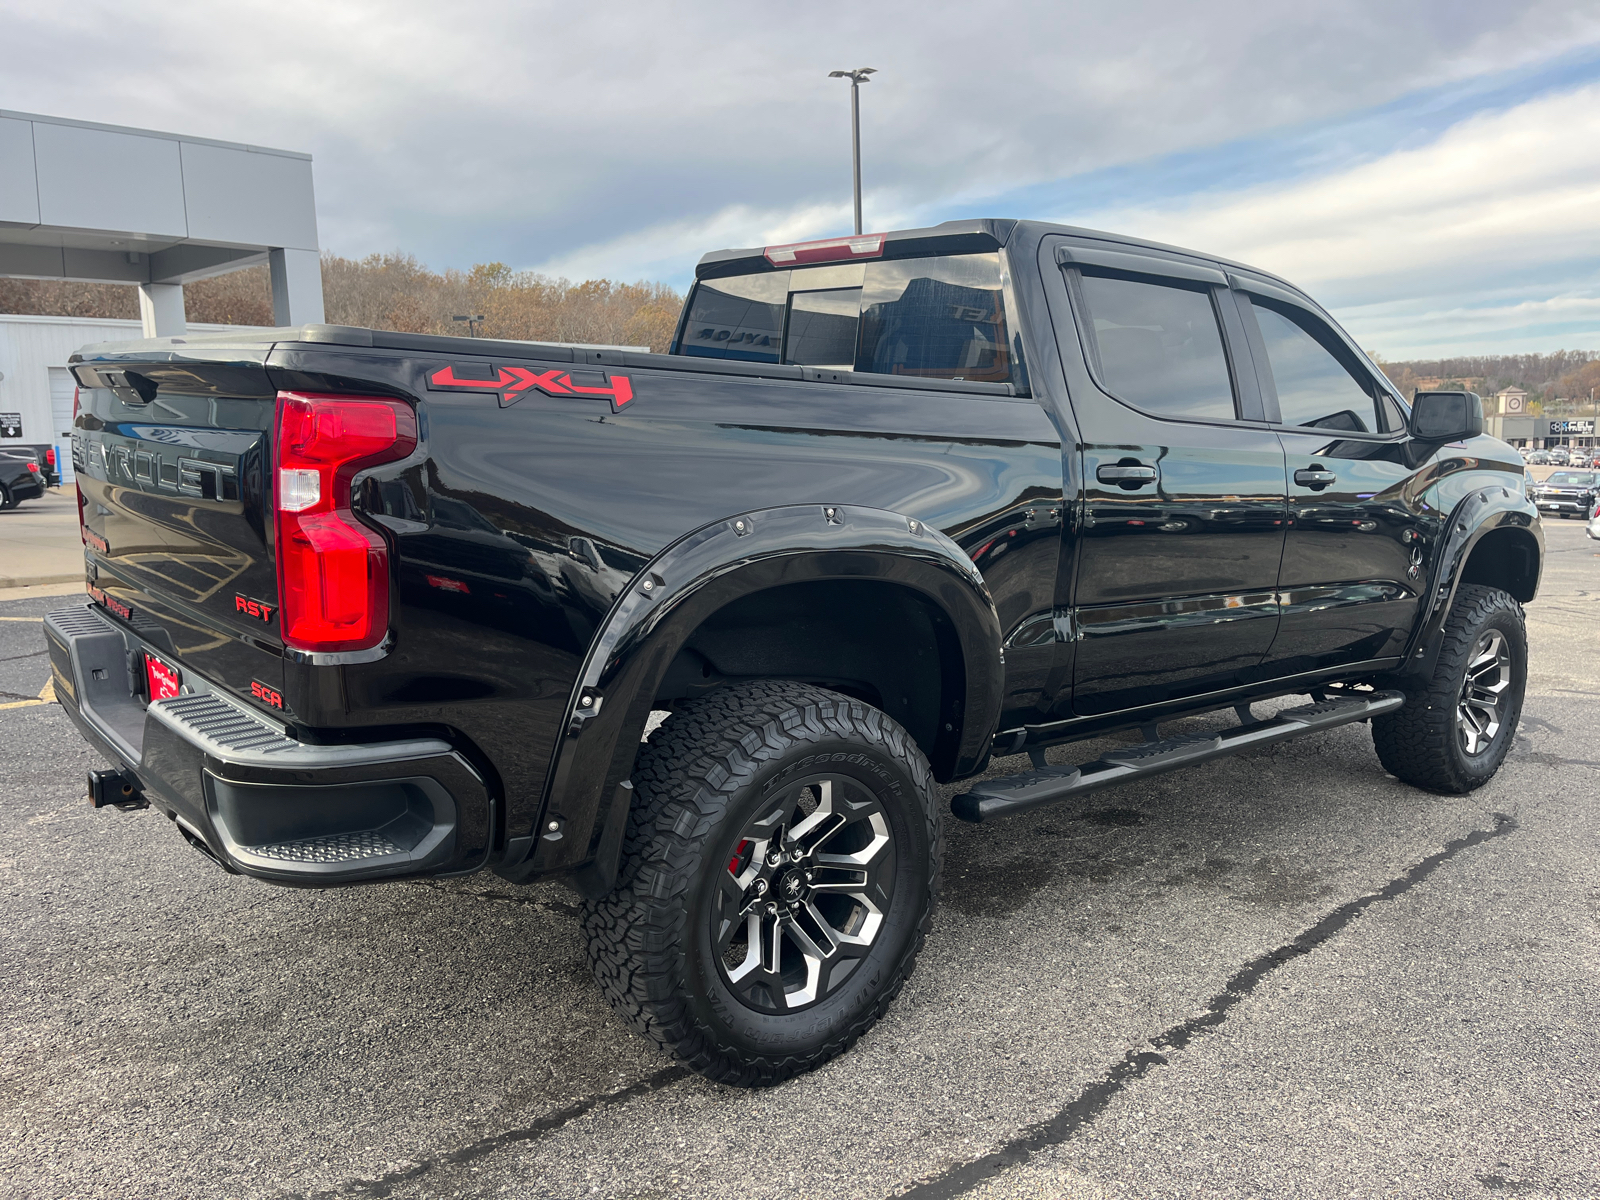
{"x":971,"y":236}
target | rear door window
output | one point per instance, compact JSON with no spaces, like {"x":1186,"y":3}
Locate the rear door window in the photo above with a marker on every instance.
{"x":1158,"y":345}
{"x":1317,"y":383}
{"x":740,"y":317}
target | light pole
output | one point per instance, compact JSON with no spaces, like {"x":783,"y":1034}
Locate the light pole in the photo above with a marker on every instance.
{"x":856,"y":77}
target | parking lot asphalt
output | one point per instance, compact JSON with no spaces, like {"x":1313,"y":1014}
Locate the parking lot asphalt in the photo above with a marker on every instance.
{"x":1281,"y":974}
{"x":39,"y":540}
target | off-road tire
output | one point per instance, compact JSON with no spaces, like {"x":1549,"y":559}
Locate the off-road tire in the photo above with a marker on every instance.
{"x":701,"y":776}
{"x":1419,"y":743}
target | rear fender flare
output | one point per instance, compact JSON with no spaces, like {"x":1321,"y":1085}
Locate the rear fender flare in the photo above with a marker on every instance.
{"x":685,"y":584}
{"x":1479,"y":513}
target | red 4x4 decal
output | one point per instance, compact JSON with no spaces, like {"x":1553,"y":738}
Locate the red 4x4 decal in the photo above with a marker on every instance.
{"x":513,"y":382}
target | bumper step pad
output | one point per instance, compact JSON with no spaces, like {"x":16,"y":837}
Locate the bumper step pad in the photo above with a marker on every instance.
{"x":1029,"y":789}
{"x":333,"y":848}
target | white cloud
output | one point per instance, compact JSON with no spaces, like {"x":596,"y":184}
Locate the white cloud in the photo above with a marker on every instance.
{"x":481,"y":130}
{"x":666,"y":250}
{"x":1415,"y":236}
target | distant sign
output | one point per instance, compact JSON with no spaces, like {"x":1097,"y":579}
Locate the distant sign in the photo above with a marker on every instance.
{"x":1584,"y":425}
{"x":10,"y":425}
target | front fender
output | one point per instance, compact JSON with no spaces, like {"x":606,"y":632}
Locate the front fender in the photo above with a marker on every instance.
{"x":1478,"y":513}
{"x":587,"y":795}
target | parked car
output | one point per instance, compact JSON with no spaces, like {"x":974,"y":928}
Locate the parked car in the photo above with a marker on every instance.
{"x":1539,"y":458}
{"x":49,"y":468}
{"x":1567,"y":494}
{"x":892,"y":508}
{"x":20,"y":477}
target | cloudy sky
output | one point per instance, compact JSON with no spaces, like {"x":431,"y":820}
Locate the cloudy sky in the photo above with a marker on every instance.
{"x":1430,"y":170}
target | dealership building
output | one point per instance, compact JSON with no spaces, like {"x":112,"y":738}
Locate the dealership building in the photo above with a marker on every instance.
{"x":107,"y":204}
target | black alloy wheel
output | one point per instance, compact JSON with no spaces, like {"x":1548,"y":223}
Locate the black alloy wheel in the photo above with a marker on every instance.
{"x":1485,"y":692}
{"x":806,"y":887}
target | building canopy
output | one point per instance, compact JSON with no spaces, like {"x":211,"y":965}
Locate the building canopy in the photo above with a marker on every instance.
{"x":109,"y":204}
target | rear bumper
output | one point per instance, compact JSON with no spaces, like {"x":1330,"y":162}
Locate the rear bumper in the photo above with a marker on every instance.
{"x":254,"y":798}
{"x":27,"y":489}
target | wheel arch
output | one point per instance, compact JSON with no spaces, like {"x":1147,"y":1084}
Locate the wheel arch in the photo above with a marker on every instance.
{"x":1492,"y":536}
{"x":744,"y":564}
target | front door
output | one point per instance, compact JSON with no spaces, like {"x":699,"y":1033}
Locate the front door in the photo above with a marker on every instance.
{"x":1353,"y":558}
{"x":1183,"y":514}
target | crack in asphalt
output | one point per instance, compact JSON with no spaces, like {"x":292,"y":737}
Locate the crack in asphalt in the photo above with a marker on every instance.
{"x":384,"y":1185}
{"x":1096,"y":1097}
{"x":571,"y":910}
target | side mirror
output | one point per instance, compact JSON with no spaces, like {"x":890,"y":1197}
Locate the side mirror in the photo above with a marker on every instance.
{"x":1446,"y":416}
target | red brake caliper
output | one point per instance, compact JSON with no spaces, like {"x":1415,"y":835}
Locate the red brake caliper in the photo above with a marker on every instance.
{"x":740,"y":854}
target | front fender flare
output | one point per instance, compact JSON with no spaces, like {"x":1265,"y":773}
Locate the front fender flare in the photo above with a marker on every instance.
{"x":587,"y":793}
{"x":1478,"y":513}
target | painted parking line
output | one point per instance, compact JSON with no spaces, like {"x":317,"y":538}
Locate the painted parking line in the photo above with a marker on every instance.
{"x":47,"y":695}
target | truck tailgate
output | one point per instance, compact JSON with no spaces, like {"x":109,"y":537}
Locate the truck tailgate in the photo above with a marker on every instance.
{"x":175,"y":499}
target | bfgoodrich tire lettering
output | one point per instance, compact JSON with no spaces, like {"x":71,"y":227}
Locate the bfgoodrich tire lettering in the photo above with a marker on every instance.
{"x":711,"y":787}
{"x":1456,"y":727}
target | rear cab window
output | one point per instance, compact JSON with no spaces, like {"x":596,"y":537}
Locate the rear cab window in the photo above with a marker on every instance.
{"x":941,"y":317}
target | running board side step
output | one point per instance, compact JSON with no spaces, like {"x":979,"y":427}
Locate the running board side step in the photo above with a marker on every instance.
{"x":1018,"y":793}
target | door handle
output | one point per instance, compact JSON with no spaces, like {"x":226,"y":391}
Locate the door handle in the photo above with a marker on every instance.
{"x":1314,"y":477}
{"x":1126,"y":476}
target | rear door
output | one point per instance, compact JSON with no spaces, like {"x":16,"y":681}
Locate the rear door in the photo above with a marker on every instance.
{"x":1183,"y":510}
{"x":1353,"y":557}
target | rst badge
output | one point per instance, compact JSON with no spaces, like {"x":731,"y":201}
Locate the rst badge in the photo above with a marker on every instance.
{"x":512,"y":383}
{"x":259,"y":609}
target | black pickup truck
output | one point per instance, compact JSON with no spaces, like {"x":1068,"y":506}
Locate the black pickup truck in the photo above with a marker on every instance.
{"x":702,"y":632}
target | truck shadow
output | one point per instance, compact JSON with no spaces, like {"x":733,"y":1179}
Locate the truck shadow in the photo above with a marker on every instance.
{"x":1237,"y":825}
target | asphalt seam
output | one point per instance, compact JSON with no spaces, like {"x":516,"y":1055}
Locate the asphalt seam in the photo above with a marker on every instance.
{"x":383,"y":1185}
{"x":1137,"y":1063}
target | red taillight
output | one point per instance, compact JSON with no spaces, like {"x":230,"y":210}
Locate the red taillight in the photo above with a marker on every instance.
{"x":50,"y":455}
{"x":845,"y":249}
{"x":34,"y":467}
{"x":333,"y":571}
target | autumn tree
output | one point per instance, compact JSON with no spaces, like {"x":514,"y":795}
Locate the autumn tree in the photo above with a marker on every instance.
{"x":395,"y":291}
